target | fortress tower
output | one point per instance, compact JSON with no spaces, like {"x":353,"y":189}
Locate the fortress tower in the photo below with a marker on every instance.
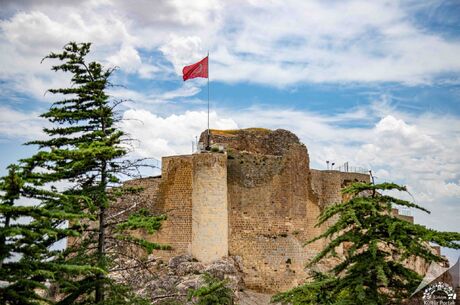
{"x":209,"y":207}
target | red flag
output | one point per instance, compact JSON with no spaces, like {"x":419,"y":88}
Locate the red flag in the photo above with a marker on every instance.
{"x":199,"y":69}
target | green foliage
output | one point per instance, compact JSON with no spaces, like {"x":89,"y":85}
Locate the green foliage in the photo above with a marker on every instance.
{"x":142,"y":219}
{"x":81,"y":150}
{"x":84,"y":150}
{"x":377,"y":243}
{"x":116,"y":294}
{"x":213,"y":292}
{"x":144,"y":244}
{"x":319,"y":291}
{"x":26,"y":235}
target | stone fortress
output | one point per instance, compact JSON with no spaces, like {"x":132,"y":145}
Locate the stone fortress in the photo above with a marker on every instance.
{"x":253,"y":196}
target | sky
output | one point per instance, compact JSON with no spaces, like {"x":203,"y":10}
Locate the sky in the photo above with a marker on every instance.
{"x":372,"y":83}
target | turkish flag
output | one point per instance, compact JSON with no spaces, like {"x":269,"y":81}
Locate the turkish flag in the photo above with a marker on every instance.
{"x":199,"y":69}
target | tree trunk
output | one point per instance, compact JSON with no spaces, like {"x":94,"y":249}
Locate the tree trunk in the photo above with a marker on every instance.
{"x":101,"y":254}
{"x":101,"y":240}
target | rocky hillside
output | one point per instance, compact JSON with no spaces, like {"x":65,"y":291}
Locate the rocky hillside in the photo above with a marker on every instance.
{"x":170,"y":282}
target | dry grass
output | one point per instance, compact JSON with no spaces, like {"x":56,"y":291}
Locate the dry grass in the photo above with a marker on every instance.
{"x":235,"y":131}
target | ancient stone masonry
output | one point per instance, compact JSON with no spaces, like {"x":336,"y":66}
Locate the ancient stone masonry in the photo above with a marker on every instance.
{"x":258,"y":200}
{"x":209,"y":209}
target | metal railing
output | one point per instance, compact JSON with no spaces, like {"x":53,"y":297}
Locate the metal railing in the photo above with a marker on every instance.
{"x":350,"y":169}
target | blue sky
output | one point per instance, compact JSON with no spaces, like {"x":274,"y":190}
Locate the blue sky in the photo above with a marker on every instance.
{"x":374,"y":83}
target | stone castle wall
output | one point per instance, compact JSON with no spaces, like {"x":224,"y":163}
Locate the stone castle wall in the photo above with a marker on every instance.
{"x":174,"y":199}
{"x":270,"y":203}
{"x":192,"y":192}
{"x":274,"y":202}
{"x":327,"y":184}
{"x":260,"y":201}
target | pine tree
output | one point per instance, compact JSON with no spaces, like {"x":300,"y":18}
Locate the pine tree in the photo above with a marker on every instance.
{"x":376,"y":246}
{"x":84,"y":152}
{"x":18,"y":281}
{"x":27,"y":233}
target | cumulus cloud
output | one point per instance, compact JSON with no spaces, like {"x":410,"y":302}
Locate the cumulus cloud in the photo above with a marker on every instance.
{"x":155,"y":97}
{"x":33,"y":31}
{"x":418,"y":151}
{"x":157,"y":136}
{"x":15,"y":124}
{"x":127,"y":59}
{"x":315,"y":41}
{"x":279,"y":43}
{"x":182,"y":51}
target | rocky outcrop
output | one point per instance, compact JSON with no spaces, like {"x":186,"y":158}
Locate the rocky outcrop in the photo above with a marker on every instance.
{"x":169,"y":282}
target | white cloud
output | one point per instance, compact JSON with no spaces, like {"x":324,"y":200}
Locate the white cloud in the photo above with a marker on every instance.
{"x":419,"y":151}
{"x":15,"y":124}
{"x":157,"y":136}
{"x":269,"y":42}
{"x":186,"y":90}
{"x":147,"y":71}
{"x":182,"y":51}
{"x":318,"y":42}
{"x":127,"y":59}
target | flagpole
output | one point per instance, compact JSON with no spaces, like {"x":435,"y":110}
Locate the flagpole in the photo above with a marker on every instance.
{"x":209,"y":132}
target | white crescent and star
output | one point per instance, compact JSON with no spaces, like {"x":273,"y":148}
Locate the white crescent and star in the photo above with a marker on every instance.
{"x":198,"y":69}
